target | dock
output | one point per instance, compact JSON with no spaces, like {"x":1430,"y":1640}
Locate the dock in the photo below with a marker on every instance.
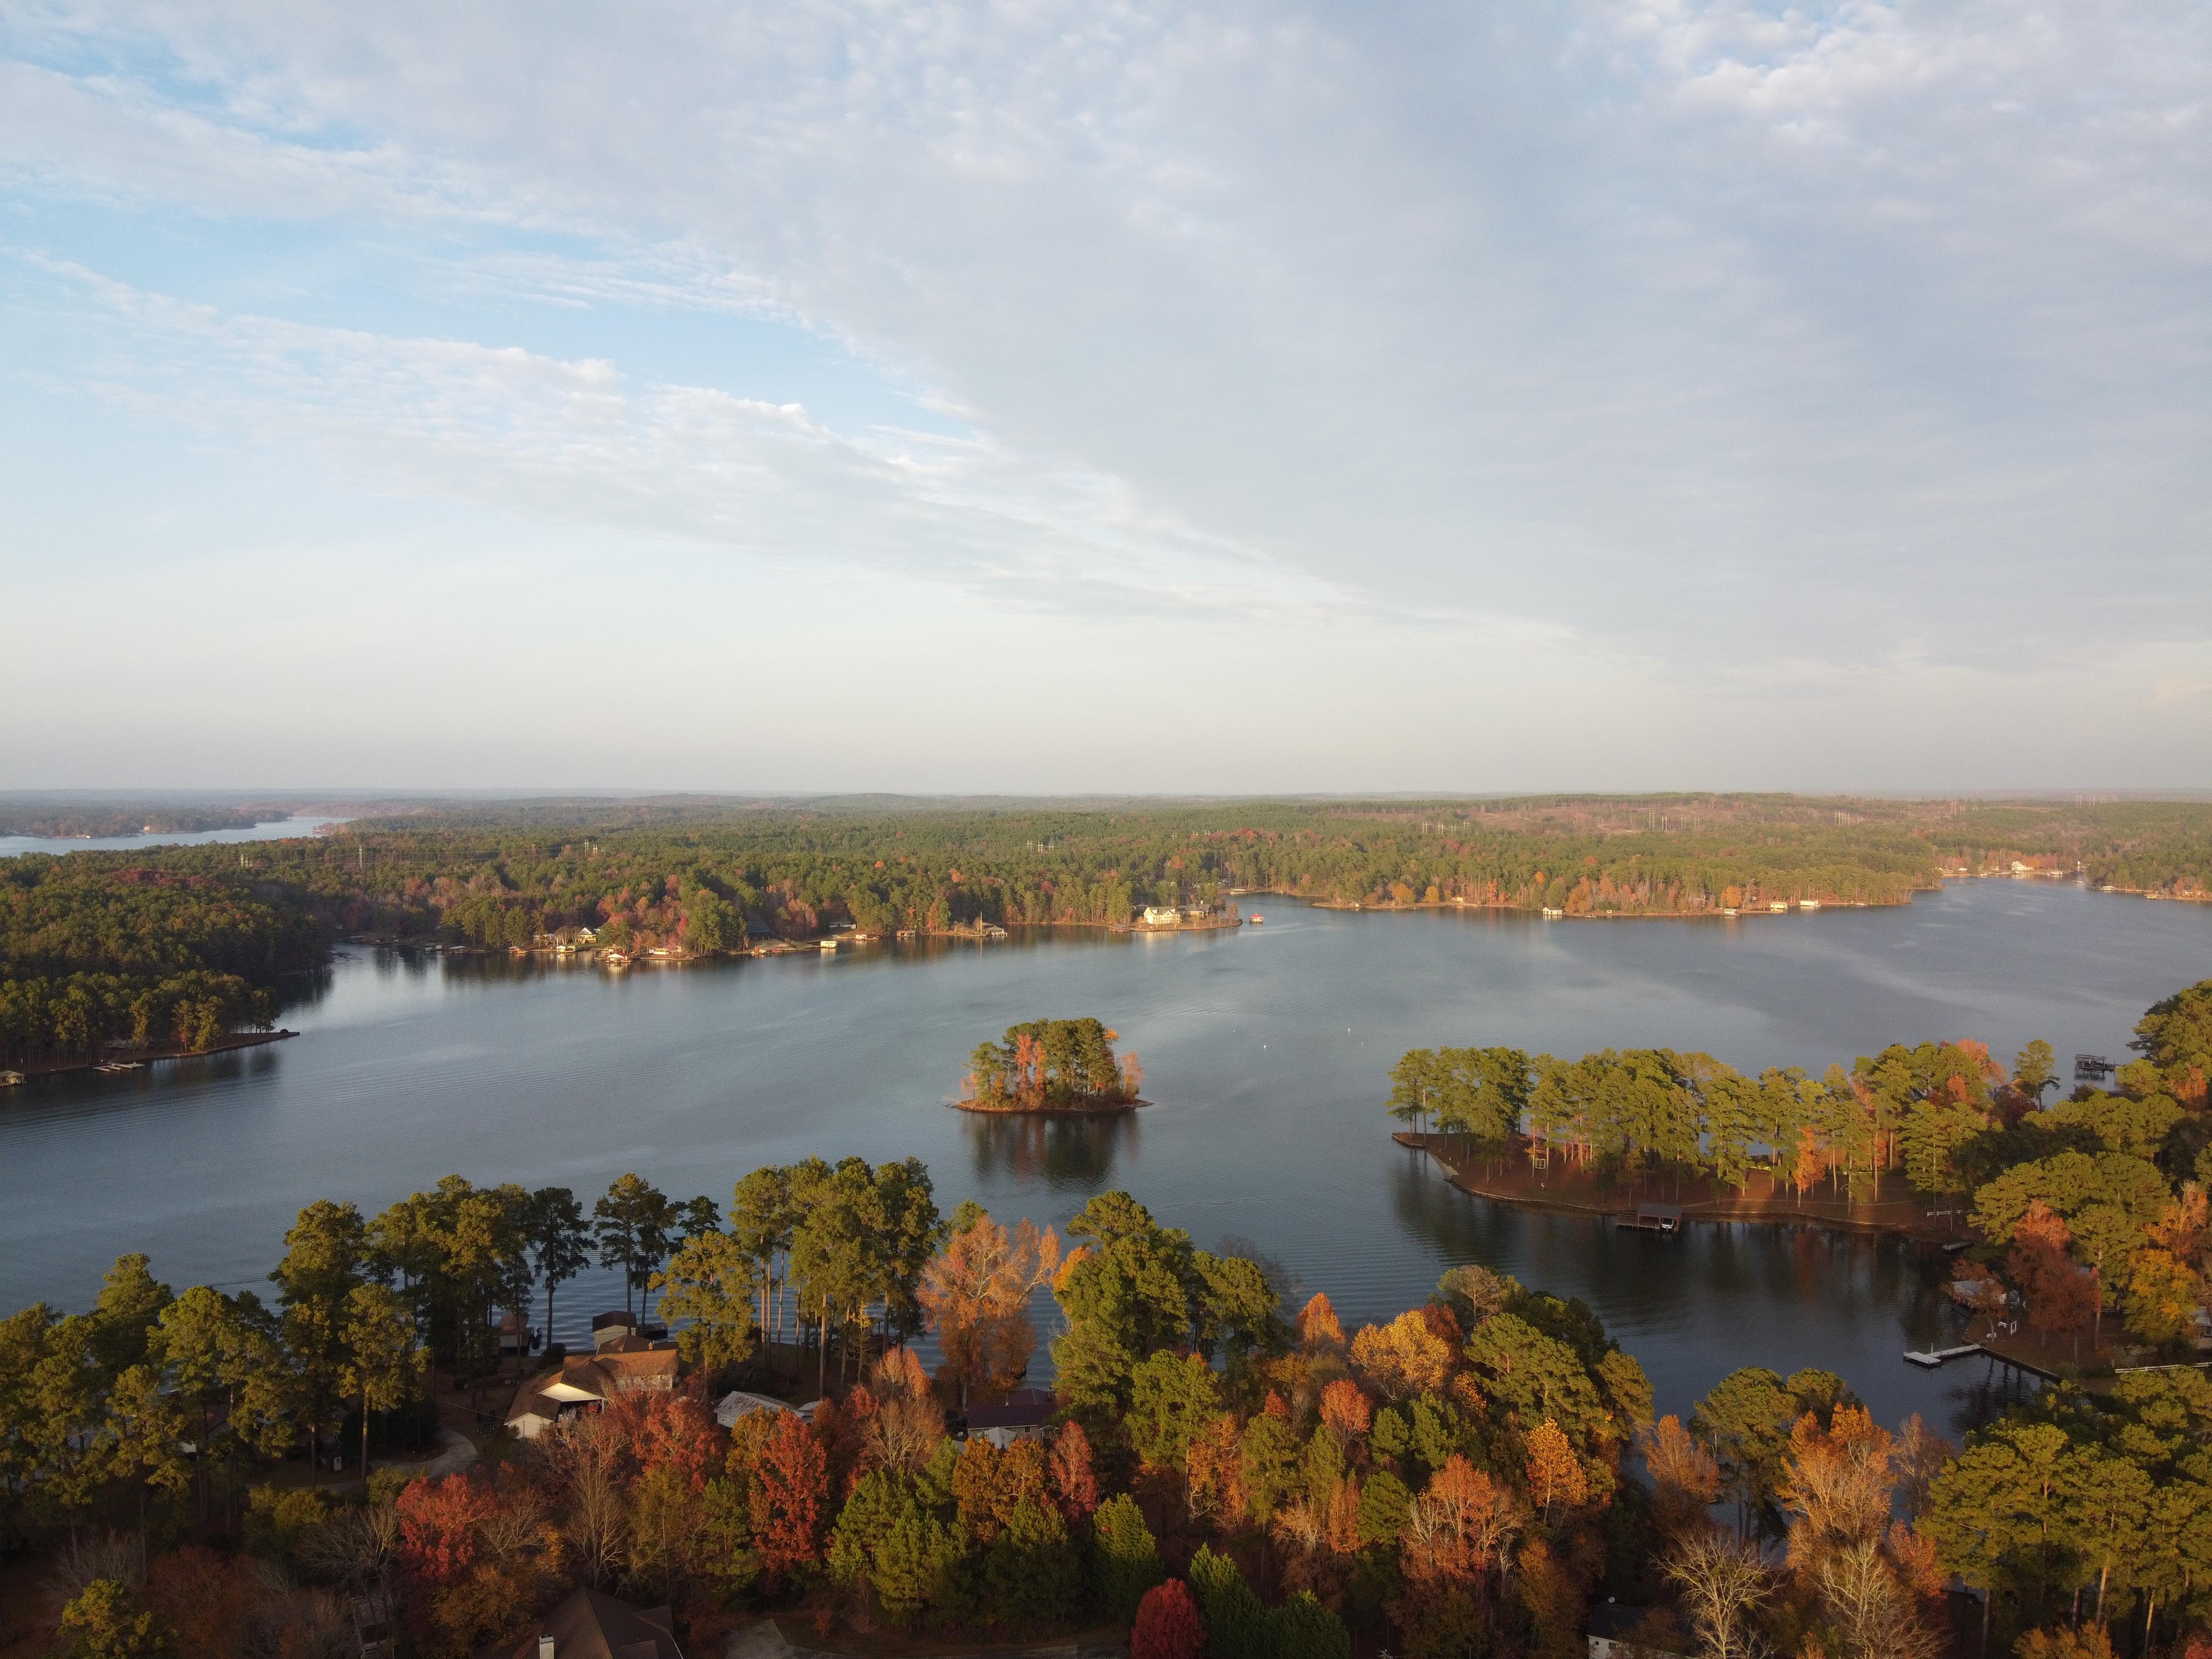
{"x":1652,"y":1218}
{"x":1928,"y":1359}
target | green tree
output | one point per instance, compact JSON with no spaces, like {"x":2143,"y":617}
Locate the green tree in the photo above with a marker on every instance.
{"x":1302,"y":1628}
{"x":146,"y":1429}
{"x":1125,"y":1560}
{"x":559,"y":1240}
{"x":762,"y":1217}
{"x":325,"y":1254}
{"x":709,"y":1283}
{"x":382,"y":1357}
{"x":130,"y":1300}
{"x":1126,"y":1295}
{"x":1745,"y":1421}
{"x":1173,"y":1399}
{"x":1236,"y":1619}
{"x":631,"y":1225}
{"x":2035,"y":1071}
{"x":1032,"y":1576}
{"x":105,"y":1620}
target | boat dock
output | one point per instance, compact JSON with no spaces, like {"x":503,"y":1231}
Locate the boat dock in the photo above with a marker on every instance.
{"x":1652,"y":1218}
{"x":1928,"y":1359}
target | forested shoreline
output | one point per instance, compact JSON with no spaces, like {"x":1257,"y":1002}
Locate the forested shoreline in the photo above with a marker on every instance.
{"x":2082,"y":1207}
{"x":1483,"y":1474}
{"x":700,"y":877}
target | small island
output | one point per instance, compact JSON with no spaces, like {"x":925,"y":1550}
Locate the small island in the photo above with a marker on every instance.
{"x":1051,"y":1066}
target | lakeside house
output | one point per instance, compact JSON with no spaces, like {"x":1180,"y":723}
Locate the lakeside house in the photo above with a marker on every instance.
{"x":592,"y":1624}
{"x":738,"y":1404}
{"x":1021,"y":1415}
{"x":1163,"y":915}
{"x":584,"y":1382}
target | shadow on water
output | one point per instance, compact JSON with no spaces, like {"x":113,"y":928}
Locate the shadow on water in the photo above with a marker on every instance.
{"x":1069,"y":1154}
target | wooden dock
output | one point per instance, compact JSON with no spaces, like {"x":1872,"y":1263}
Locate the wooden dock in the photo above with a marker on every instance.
{"x":1928,"y":1359}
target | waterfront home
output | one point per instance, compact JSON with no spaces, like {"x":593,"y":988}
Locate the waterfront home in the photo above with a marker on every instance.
{"x":584,"y":1382}
{"x":591,"y":1625}
{"x":1021,"y":1415}
{"x":1162,"y":915}
{"x":738,"y":1404}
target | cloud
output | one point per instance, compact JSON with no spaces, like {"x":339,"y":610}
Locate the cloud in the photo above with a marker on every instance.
{"x":1796,"y":354}
{"x":580,"y":442}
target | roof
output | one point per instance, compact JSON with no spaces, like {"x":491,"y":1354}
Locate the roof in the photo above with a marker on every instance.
{"x":591,"y":1625}
{"x":1025,"y":1408}
{"x":738,"y":1403}
{"x":593,"y":1377}
{"x":617,"y":1316}
{"x":1607,"y":1619}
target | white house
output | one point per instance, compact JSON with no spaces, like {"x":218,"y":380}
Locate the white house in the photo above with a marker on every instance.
{"x":1162,"y":915}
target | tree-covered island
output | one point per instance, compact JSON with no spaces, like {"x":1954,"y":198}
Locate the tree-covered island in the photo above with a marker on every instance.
{"x":1052,"y":1066}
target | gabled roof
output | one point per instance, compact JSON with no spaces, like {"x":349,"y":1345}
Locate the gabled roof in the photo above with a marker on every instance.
{"x":593,"y":1377}
{"x":1025,"y":1408}
{"x":590,"y":1624}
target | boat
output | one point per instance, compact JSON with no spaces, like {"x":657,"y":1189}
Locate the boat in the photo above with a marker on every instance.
{"x":829,"y":947}
{"x":614,"y":959}
{"x":10,"y":1080}
{"x":1808,"y":905}
{"x":1728,"y":909}
{"x":1257,"y":921}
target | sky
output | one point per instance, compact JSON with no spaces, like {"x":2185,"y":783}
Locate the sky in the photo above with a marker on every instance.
{"x":1035,"y":396}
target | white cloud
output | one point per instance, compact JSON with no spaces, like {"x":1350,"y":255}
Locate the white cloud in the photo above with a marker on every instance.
{"x":1788,"y":353}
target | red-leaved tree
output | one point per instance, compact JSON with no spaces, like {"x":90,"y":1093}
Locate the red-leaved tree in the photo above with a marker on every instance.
{"x":790,"y":1497}
{"x":1168,"y":1625}
{"x":438,"y":1522}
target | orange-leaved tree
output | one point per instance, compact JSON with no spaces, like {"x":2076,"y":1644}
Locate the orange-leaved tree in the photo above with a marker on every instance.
{"x":976,"y":1296}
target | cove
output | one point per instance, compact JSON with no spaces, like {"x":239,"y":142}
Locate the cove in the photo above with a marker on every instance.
{"x":1264,"y":1049}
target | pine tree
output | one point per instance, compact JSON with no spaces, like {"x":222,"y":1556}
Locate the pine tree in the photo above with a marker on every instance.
{"x":1125,"y":1561}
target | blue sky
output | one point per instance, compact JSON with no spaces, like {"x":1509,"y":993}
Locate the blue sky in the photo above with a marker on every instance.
{"x":1043,"y":396}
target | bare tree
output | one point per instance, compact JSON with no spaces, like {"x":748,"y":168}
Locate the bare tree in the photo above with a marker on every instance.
{"x":1721,"y":1582}
{"x":1873,"y":1613}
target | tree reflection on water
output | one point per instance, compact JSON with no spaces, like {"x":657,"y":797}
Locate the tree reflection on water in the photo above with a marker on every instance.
{"x":1068,"y":1154}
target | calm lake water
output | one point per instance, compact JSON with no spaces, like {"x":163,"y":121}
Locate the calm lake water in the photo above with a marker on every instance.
{"x":1265,"y":1049}
{"x":272,"y":830}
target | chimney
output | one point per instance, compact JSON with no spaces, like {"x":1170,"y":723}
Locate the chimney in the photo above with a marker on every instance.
{"x":545,"y":1647}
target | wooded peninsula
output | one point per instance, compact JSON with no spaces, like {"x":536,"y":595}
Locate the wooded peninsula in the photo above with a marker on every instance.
{"x":171,"y":946}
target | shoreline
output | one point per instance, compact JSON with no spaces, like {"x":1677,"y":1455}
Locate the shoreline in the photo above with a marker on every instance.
{"x":1579,"y":1195}
{"x":1113,"y":1110}
{"x":147,"y":1056}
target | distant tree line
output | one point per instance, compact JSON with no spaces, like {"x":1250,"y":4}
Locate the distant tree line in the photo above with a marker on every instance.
{"x":704,"y":877}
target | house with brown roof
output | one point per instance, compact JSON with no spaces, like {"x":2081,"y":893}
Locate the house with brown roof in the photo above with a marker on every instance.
{"x":592,"y":1625}
{"x":584,"y":1382}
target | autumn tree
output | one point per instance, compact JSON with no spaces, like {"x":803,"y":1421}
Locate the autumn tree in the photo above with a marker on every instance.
{"x":975,"y":1294}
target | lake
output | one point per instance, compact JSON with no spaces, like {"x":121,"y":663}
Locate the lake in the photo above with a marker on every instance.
{"x":1265,"y":1049}
{"x":272,"y":830}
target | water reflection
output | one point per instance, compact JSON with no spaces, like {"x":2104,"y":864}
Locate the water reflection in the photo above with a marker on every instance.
{"x":1065,"y":1154}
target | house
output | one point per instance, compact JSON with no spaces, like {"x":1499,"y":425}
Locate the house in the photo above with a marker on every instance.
{"x":1023,"y":1415}
{"x":608,"y":1328}
{"x":738,"y":1403}
{"x":1162,"y":915}
{"x":592,"y":1625}
{"x":584,"y":1382}
{"x":1611,"y":1628}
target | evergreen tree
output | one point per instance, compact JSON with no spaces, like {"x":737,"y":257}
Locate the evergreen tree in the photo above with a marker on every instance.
{"x":1125,"y":1561}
